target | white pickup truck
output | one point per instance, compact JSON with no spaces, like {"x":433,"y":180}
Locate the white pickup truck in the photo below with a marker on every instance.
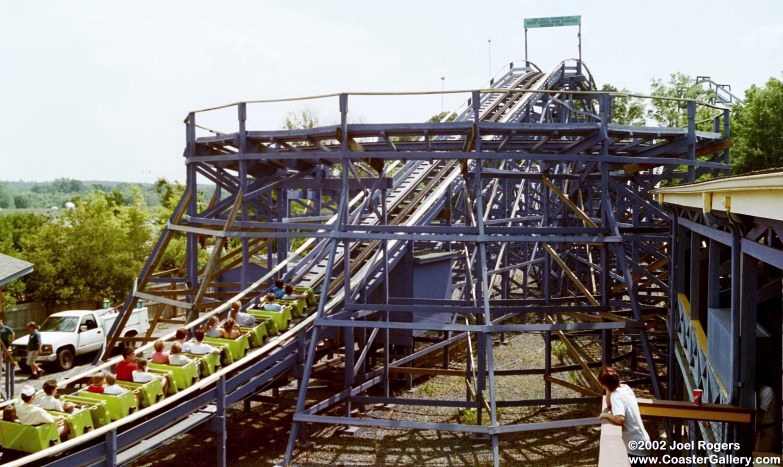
{"x":66,"y":334}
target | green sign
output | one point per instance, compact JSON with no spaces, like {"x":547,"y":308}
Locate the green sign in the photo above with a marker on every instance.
{"x":552,"y":21}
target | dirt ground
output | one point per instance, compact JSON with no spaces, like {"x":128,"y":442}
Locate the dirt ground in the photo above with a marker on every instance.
{"x":259,"y":438}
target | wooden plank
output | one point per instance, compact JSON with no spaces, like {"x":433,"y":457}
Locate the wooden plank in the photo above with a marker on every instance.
{"x":689,"y":411}
{"x":568,"y":272}
{"x":611,"y":451}
{"x":573,"y":387}
{"x":404,"y":370}
{"x":588,"y":373}
{"x":565,"y":199}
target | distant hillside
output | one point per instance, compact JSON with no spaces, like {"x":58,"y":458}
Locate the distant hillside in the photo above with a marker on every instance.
{"x":45,"y":195}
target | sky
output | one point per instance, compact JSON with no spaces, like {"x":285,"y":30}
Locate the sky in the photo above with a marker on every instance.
{"x":98,"y":90}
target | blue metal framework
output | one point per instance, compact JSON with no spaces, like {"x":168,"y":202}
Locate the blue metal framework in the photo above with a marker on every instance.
{"x":534,"y":199}
{"x":728,"y":269}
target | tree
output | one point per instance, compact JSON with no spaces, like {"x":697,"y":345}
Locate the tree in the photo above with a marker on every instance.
{"x":6,"y":196}
{"x":22,"y":201}
{"x":442,"y":117}
{"x":626,"y":110}
{"x":13,"y":228}
{"x":757,"y":129}
{"x":169,"y":193}
{"x":302,"y":118}
{"x":673,"y":113}
{"x":91,"y":252}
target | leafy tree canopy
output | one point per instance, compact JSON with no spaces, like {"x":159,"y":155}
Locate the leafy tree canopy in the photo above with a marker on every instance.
{"x":91,"y":252}
{"x":757,"y":129}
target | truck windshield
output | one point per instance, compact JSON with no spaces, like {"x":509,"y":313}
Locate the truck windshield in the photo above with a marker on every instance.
{"x":60,"y":324}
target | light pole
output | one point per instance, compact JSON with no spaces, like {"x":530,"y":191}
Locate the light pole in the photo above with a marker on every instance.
{"x":442,"y":88}
{"x":489,"y":48}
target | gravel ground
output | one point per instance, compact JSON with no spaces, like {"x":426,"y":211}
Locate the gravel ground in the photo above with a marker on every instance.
{"x":260,"y":436}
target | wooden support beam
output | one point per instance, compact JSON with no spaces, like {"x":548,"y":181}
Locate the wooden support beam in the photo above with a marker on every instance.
{"x":652,"y":267}
{"x":570,"y":274}
{"x":588,"y":222}
{"x":167,"y":301}
{"x":217,"y":250}
{"x":573,"y":387}
{"x":404,"y":370}
{"x":572,"y":351}
{"x":689,"y":411}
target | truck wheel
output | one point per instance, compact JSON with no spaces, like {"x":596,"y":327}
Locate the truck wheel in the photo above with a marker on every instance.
{"x":65,"y":359}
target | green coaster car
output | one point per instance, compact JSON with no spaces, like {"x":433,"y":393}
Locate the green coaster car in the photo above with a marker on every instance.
{"x":208,"y":363}
{"x":236,"y":347}
{"x":79,"y":421}
{"x":97,"y":409}
{"x":256,"y":335}
{"x":173,"y":388}
{"x":311,"y":297}
{"x":181,"y":376}
{"x":118,"y":406}
{"x":298,"y":306}
{"x":27,"y":438}
{"x":148,"y":393}
{"x":269,"y":324}
{"x":281,"y":318}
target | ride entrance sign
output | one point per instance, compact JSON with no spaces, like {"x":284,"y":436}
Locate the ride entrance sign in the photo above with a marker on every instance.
{"x":552,"y":22}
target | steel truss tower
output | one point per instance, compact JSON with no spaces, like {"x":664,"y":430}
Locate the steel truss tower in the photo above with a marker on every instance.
{"x":532,"y":200}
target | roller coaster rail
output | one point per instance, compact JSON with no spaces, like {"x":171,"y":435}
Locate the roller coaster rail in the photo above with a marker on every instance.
{"x":535,"y":200}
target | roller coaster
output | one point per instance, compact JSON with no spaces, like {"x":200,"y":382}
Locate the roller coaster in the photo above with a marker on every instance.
{"x":529,"y":212}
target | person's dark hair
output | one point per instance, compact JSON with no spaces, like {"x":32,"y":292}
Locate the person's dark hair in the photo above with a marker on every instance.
{"x":609,"y":378}
{"x":49,"y":386}
{"x":32,"y":324}
{"x":141,"y":363}
{"x":181,"y":333}
{"x":27,"y":399}
{"x":9,"y":413}
{"x":199,"y":335}
{"x":279,"y":283}
{"x":228,"y":325}
{"x":270,"y":298}
{"x":289,"y":289}
{"x":127,"y":351}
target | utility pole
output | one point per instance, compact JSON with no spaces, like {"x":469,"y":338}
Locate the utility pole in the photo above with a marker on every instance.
{"x":489,"y":47}
{"x":442,"y":89}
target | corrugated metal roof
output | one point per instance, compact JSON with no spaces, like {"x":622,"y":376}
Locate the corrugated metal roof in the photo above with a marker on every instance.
{"x":13,"y":268}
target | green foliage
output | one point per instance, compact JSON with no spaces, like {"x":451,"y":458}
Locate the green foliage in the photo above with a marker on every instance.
{"x":92,"y":251}
{"x":302,"y":118}
{"x":673,"y":113}
{"x":757,"y":129}
{"x":626,"y":110}
{"x":559,"y":350}
{"x":14,"y":227}
{"x":442,"y":117}
{"x":6,"y":197}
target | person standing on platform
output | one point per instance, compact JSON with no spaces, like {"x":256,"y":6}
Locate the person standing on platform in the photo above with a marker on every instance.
{"x":622,"y":409}
{"x":7,"y":336}
{"x":33,"y":348}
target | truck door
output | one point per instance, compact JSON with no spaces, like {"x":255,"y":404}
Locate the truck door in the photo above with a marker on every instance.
{"x":90,"y":335}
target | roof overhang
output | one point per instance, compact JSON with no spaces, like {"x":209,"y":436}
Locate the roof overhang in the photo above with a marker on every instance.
{"x":756,"y":195}
{"x":13,"y":268}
